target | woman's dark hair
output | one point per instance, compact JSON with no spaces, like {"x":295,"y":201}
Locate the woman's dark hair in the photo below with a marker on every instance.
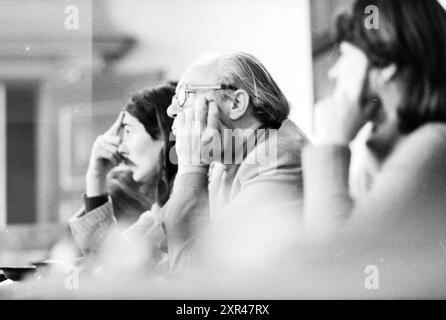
{"x":150,"y":108}
{"x":412,"y":35}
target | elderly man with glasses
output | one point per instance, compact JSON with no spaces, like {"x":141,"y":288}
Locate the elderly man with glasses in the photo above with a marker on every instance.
{"x":239,"y":161}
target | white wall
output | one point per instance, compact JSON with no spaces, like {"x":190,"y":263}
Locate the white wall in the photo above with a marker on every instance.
{"x":173,"y":33}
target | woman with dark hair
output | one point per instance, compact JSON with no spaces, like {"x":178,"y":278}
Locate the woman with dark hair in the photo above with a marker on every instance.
{"x":391,"y":75}
{"x":140,"y":142}
{"x":150,"y":109}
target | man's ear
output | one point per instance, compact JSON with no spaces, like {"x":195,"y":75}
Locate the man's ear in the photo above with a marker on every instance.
{"x":239,"y":105}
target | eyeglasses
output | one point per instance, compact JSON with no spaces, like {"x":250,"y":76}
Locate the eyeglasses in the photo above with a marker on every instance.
{"x":186,"y":89}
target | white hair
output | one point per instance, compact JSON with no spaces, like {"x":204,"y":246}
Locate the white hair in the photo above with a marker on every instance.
{"x":244,"y":71}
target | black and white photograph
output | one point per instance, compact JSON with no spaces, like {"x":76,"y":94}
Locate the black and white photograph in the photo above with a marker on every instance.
{"x":222,"y":154}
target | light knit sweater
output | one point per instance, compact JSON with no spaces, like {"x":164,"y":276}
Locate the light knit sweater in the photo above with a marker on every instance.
{"x":409,"y":190}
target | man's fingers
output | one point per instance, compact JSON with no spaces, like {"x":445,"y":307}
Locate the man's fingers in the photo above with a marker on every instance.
{"x":212,"y":114}
{"x":116,"y":126}
{"x":201,"y":111}
{"x":179,"y":121}
{"x":194,"y":126}
{"x":188,"y":116}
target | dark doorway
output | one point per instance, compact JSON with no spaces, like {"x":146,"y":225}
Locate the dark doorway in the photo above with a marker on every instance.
{"x":21,"y":102}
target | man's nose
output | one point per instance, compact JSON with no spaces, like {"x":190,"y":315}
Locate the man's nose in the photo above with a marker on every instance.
{"x":173,"y":109}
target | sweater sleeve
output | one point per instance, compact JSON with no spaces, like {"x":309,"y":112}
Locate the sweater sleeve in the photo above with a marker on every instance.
{"x":90,"y":228}
{"x":327,"y":203}
{"x":184,"y":215}
{"x":136,"y":231}
{"x":408,"y":189}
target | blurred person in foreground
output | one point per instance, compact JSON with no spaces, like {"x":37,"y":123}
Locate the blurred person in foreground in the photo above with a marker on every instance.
{"x":239,"y":164}
{"x":139,"y":141}
{"x":394,"y":78}
{"x":389,"y":240}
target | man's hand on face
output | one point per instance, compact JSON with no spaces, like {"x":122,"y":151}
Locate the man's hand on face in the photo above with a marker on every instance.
{"x":104,"y":157}
{"x":196,"y":134}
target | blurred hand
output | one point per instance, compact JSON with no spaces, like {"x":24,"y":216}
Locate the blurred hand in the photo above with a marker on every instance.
{"x":338,"y":120}
{"x":196,"y":134}
{"x":104,"y":157}
{"x":339,"y":117}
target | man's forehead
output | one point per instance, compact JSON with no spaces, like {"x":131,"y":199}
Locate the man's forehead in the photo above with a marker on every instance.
{"x":200,"y":73}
